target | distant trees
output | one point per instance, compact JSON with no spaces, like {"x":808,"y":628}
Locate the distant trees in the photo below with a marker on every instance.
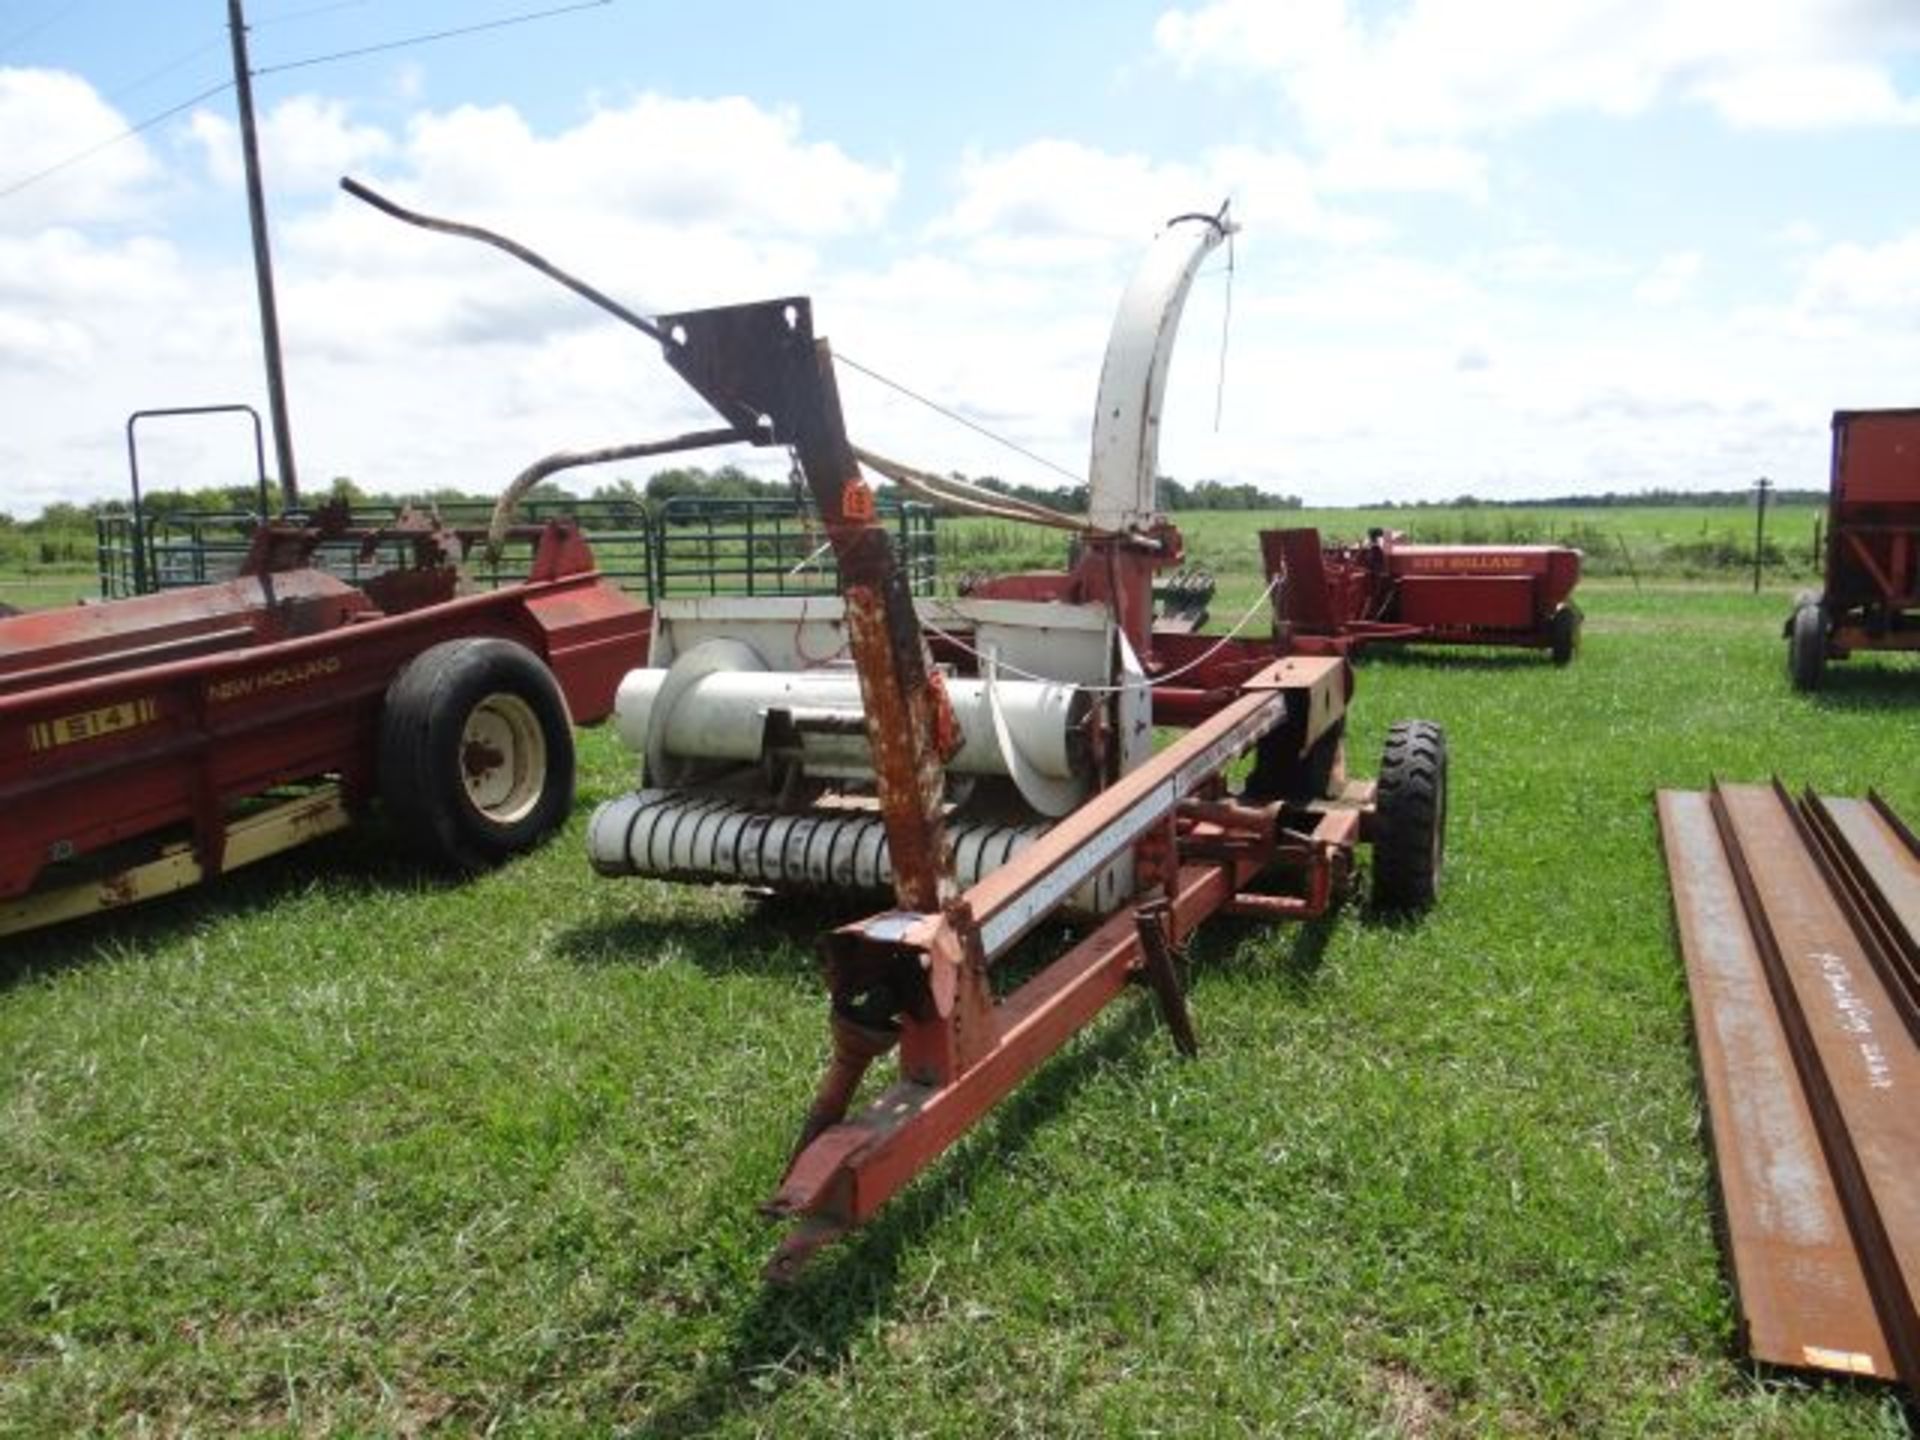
{"x":64,"y":531}
{"x":1173,"y":495}
{"x":1219,"y":495}
{"x":1639,"y":499}
{"x":729,"y":482}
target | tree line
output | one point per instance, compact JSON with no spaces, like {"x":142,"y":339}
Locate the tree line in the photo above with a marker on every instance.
{"x":63,"y":533}
{"x":1638,"y":499}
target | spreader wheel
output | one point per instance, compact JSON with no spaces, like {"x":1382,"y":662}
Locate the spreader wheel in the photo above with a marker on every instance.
{"x":476,"y":753}
{"x":1410,"y":817}
{"x":1807,"y":645}
{"x":1563,"y":634}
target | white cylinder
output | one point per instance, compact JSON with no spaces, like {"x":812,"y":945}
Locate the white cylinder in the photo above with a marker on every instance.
{"x":722,"y":715}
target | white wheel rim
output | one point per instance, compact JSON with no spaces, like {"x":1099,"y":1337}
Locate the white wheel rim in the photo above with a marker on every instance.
{"x":503,"y":758}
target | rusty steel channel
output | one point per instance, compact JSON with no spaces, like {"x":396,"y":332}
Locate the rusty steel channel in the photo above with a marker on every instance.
{"x":1797,"y":926}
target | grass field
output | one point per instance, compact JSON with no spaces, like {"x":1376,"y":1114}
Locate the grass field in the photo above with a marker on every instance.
{"x":42,"y":587}
{"x":330,"y":1148}
{"x":1633,"y":541}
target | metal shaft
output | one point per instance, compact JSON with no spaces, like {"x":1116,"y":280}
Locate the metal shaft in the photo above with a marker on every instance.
{"x":262,"y":261}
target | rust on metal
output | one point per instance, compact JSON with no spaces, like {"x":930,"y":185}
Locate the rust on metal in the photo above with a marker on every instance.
{"x":1790,"y":919}
{"x":961,"y":1049}
{"x":1874,"y":861}
{"x":922,"y":971}
{"x":1152,"y":920}
{"x":1803,"y":1296}
{"x":762,"y":365}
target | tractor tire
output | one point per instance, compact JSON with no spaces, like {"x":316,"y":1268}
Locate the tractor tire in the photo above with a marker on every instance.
{"x":1563,"y":634}
{"x":1410,"y":818}
{"x":476,"y":754}
{"x":1807,"y":646}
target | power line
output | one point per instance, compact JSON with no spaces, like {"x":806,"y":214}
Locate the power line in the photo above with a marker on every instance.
{"x":120,"y":92}
{"x":127,"y":134}
{"x":207,"y":94}
{"x":432,"y":35}
{"x":957,"y":417}
{"x":20,"y":37}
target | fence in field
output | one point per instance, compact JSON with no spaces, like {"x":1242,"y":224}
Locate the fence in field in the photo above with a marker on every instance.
{"x":689,"y":545}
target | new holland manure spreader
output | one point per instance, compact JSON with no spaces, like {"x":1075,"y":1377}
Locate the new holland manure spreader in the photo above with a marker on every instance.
{"x":983,"y":767}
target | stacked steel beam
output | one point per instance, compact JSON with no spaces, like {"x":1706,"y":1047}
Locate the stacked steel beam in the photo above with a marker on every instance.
{"x":1800,"y":926}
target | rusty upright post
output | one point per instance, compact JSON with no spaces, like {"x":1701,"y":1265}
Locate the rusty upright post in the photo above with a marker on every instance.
{"x":262,"y":261}
{"x":761,"y":366}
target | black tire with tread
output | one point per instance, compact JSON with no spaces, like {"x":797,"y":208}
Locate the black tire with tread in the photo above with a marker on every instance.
{"x":422,"y":784}
{"x":1410,"y":817}
{"x":1807,"y":646}
{"x":1563,"y":634}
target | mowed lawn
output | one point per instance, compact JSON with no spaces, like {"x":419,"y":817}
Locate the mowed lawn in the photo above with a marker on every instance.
{"x":330,"y":1148}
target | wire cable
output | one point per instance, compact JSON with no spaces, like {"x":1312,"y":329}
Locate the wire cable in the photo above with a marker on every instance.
{"x":1226,"y":327}
{"x":132,"y":130}
{"x":956,"y":417}
{"x":147,"y":124}
{"x":402,"y":43}
{"x":20,"y":37}
{"x":121,"y":91}
{"x":1146,"y":683}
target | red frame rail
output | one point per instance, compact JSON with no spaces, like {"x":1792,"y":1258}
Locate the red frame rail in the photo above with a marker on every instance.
{"x":961,"y":1049}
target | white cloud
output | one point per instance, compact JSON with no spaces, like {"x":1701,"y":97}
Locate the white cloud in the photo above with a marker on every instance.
{"x":1448,"y":68}
{"x":31,"y":344}
{"x":727,"y":162}
{"x":416,"y":359}
{"x":1670,"y":280}
{"x":64,"y":269}
{"x":1375,"y":165}
{"x":1540,"y":262}
{"x":1064,"y":202}
{"x":1495,"y":356}
{"x":1810,"y":96}
{"x":49,"y":117}
{"x":306,"y":143}
{"x":1865,"y":282}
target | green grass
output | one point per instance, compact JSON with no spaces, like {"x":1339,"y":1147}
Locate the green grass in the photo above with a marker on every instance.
{"x":1682,"y":541}
{"x":44,"y":586}
{"x":330,"y":1149}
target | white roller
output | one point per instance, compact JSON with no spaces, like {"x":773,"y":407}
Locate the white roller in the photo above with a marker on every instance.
{"x":715,"y":701}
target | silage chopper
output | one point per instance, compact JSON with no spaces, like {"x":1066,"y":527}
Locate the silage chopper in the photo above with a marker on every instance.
{"x":985,"y":766}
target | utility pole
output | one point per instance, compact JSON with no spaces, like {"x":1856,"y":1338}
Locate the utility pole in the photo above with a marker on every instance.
{"x":262,"y":261}
{"x":1761,"y":487}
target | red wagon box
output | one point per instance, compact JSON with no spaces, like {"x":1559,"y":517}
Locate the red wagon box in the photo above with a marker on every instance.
{"x":1871,"y":599}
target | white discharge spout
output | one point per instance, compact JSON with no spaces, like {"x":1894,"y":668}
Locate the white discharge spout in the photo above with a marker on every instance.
{"x":1133,"y":378}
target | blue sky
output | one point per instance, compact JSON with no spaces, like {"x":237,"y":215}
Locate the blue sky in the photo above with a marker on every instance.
{"x":1506,"y":250}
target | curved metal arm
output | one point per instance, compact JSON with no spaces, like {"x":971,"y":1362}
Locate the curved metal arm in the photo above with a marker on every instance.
{"x":540,"y":469}
{"x":513,"y":247}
